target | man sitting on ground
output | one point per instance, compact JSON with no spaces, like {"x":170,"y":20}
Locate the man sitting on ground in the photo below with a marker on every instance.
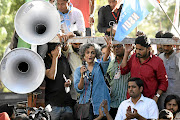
{"x":137,"y":106}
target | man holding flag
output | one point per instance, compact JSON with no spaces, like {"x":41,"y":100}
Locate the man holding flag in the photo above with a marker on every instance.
{"x":133,"y":12}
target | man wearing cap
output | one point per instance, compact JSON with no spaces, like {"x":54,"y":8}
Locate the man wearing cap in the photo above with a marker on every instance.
{"x":147,"y":67}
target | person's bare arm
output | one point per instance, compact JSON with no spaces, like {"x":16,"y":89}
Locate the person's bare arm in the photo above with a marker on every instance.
{"x":128,"y":49}
{"x":92,"y":4}
{"x":108,"y":41}
{"x":51,"y":73}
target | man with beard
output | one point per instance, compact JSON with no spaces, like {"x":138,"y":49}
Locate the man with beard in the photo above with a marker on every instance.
{"x":71,"y":53}
{"x":147,"y":67}
{"x":170,"y":59}
{"x":137,"y":107}
{"x":159,"y":46}
{"x":172,"y":103}
{"x":117,"y":82}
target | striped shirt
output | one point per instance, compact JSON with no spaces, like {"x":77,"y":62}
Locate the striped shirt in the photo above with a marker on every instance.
{"x":118,"y":86}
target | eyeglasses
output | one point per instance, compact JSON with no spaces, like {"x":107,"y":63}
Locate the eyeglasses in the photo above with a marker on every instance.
{"x":118,"y":46}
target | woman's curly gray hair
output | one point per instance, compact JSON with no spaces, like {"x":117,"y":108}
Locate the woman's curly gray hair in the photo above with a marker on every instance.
{"x":84,"y":47}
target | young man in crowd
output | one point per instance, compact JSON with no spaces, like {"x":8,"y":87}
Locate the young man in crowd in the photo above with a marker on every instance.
{"x":57,"y":67}
{"x":71,"y":19}
{"x":137,"y":106}
{"x":146,"y":66}
{"x":172,"y":103}
{"x":71,"y":51}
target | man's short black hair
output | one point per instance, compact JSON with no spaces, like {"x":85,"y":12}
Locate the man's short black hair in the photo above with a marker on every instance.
{"x":143,"y":41}
{"x":171,"y":97}
{"x":167,"y":35}
{"x":51,"y":46}
{"x":159,"y":34}
{"x":138,"y":81}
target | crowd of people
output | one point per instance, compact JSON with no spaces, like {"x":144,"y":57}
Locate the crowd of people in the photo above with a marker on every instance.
{"x":118,"y":81}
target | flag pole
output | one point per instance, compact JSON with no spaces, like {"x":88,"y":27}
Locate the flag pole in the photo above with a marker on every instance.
{"x":169,"y":19}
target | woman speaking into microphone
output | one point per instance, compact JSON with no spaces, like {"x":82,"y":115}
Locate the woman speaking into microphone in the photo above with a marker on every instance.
{"x":91,"y":85}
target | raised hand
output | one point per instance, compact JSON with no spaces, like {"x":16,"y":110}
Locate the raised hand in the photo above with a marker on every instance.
{"x":56,"y":52}
{"x":83,"y":69}
{"x":128,"y":48}
{"x":108,"y":40}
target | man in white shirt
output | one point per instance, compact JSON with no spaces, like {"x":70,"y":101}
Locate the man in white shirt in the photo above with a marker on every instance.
{"x":137,"y":107}
{"x":71,"y":19}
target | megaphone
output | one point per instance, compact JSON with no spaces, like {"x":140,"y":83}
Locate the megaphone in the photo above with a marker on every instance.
{"x":22,"y":70}
{"x":37,"y":22}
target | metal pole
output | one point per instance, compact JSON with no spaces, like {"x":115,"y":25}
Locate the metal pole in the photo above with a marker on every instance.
{"x":169,"y":19}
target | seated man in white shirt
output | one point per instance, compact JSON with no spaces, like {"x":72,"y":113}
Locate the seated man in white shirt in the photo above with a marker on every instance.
{"x":137,"y":107}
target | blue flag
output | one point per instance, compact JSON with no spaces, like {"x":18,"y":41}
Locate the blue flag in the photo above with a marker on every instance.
{"x":133,"y":12}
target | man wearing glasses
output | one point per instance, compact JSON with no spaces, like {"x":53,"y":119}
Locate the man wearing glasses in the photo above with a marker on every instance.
{"x":118,"y":82}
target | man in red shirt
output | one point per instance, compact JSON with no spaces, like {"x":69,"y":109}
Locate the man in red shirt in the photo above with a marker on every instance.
{"x":147,"y":67}
{"x":87,"y":7}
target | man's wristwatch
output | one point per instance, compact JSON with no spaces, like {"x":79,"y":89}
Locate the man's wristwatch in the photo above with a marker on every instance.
{"x":158,"y":95}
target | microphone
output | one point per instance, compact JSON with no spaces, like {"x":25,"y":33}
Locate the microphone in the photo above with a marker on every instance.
{"x":85,"y":73}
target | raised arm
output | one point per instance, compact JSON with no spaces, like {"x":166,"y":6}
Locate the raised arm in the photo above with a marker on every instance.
{"x":51,"y":73}
{"x":92,"y":10}
{"x":128,"y":49}
{"x":108,"y":40}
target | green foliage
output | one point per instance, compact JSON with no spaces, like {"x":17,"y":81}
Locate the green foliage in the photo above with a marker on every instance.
{"x":151,"y":24}
{"x":8,"y":9}
{"x":157,"y":20}
{"x":99,"y":4}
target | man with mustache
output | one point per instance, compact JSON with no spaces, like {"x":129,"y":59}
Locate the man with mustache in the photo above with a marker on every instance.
{"x":117,"y":82}
{"x":159,"y":46}
{"x":71,"y":53}
{"x":170,"y":58}
{"x":137,"y":107}
{"x":147,"y":67}
{"x":172,"y":103}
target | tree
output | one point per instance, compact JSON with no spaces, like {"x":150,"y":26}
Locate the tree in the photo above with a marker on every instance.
{"x":8,"y":9}
{"x":151,"y":24}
